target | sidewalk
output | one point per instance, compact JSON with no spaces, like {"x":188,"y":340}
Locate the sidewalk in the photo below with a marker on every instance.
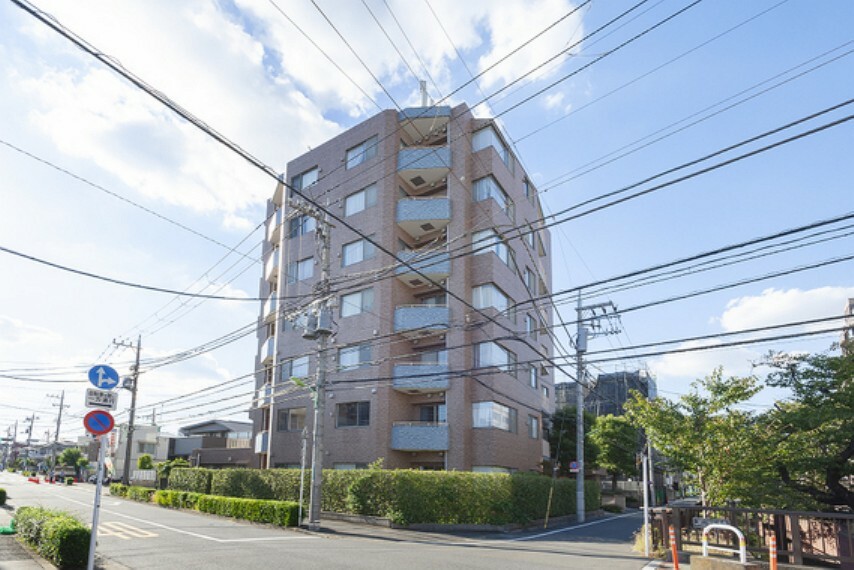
{"x":14,"y":556}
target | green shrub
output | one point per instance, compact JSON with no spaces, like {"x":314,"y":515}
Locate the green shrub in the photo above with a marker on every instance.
{"x":612,"y":508}
{"x":118,"y":490}
{"x":56,"y":535}
{"x":194,"y":480}
{"x":245,"y":483}
{"x":69,"y":480}
{"x":281,"y":513}
{"x":2,"y":496}
{"x":176,"y":499}
{"x":142,"y":494}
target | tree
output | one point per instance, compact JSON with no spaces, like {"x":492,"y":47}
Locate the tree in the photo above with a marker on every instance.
{"x":69,"y":457}
{"x":702,"y":433}
{"x":144,"y":461}
{"x":562,"y":438}
{"x":813,"y":433}
{"x":164,"y":468}
{"x":618,"y":442}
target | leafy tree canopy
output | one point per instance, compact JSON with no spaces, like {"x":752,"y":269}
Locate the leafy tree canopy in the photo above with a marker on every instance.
{"x":618,"y":442}
{"x":562,"y":439}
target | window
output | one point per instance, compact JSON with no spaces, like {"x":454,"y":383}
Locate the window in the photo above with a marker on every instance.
{"x":486,"y":188}
{"x":362,"y":152}
{"x":529,"y":190}
{"x":292,"y":419}
{"x":533,"y":376}
{"x":433,"y":413}
{"x":348,"y":466}
{"x":300,"y":270}
{"x":296,"y":368}
{"x":533,"y":427}
{"x":356,"y":356}
{"x":530,"y":281}
{"x":489,"y":295}
{"x":489,"y":354}
{"x":149,"y":448}
{"x":545,"y":391}
{"x":437,"y":300}
{"x":357,"y":251}
{"x":531,"y":326}
{"x":531,"y":236}
{"x":354,"y":414}
{"x":357,"y":303}
{"x":300,"y":225}
{"x":489,"y":137}
{"x":306,"y":179}
{"x":493,"y":415}
{"x":361,"y":200}
{"x":487,"y":240}
{"x":433,"y":357}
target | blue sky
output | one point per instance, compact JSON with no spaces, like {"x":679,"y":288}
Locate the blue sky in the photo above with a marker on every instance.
{"x":245,"y":70}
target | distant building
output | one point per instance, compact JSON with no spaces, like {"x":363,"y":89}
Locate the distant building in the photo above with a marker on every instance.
{"x":848,"y":332}
{"x":611,"y":391}
{"x":566,"y":394}
{"x":215,"y":444}
{"x":146,"y":439}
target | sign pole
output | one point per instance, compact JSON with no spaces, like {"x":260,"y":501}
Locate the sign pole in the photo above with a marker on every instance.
{"x":99,"y":484}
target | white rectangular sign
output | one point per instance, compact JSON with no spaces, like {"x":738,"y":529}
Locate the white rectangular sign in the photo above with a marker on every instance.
{"x":101,"y":399}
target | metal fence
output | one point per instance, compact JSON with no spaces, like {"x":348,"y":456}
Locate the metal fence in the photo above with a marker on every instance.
{"x":808,"y":538}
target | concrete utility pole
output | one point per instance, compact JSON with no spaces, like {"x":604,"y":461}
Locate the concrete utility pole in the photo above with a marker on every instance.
{"x":589,"y":325}
{"x":129,"y":438}
{"x":61,"y":405}
{"x":320,"y":327}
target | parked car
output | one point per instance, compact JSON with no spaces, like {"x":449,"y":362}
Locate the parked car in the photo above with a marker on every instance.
{"x":105,"y":481}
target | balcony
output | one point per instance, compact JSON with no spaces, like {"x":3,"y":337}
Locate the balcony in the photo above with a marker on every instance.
{"x":263,"y":395}
{"x":270,"y":308}
{"x":261,"y":442}
{"x":268,"y":350}
{"x":424,"y":166}
{"x":422,"y":216}
{"x":274,"y":227}
{"x":271,"y":267}
{"x":420,"y":378}
{"x":415,"y":321}
{"x":436,"y":267}
{"x":419,"y":436}
{"x":420,"y":122}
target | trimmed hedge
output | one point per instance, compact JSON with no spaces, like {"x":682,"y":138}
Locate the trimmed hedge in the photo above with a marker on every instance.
{"x":193,"y":480}
{"x":56,"y":535}
{"x":404,"y":496}
{"x":2,"y":496}
{"x":176,"y":499}
{"x":118,"y":490}
{"x":142,"y":494}
{"x":281,"y":513}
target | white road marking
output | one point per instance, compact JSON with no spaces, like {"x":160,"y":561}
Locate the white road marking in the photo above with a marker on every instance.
{"x":123,"y":530}
{"x":571,"y":528}
{"x":189,"y":533}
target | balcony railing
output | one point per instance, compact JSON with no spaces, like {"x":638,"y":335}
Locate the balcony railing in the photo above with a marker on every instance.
{"x":421,"y":320}
{"x":263,"y":394}
{"x":435,"y":266}
{"x":261,"y":442}
{"x":420,"y":436}
{"x":422,"y":167}
{"x":422,"y":216}
{"x":274,"y":227}
{"x":268,"y":350}
{"x":271,"y":267}
{"x":420,"y":378}
{"x":270,"y":306}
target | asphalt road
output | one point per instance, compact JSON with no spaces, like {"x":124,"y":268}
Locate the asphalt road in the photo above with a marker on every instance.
{"x":139,"y":536}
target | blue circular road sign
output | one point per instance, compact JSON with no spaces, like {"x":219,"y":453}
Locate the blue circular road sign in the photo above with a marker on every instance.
{"x":99,"y":422}
{"x":103,"y":377}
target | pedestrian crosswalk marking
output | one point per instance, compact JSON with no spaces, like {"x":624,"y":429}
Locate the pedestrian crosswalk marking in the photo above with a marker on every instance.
{"x":123,"y":531}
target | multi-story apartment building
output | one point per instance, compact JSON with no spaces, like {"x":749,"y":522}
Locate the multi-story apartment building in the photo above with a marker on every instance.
{"x":439,"y":357}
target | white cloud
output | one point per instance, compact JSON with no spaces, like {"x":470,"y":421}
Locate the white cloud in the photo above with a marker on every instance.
{"x":553,"y":100}
{"x":519,"y":21}
{"x":776,"y":306}
{"x":16,"y":332}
